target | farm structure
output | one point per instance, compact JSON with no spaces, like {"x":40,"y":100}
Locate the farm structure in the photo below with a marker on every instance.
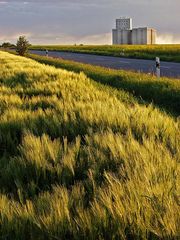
{"x":124,"y":33}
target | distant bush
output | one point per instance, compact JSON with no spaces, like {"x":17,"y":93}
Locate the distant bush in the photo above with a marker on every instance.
{"x":7,"y":45}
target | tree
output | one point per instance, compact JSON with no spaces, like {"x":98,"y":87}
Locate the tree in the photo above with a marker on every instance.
{"x":22,"y":46}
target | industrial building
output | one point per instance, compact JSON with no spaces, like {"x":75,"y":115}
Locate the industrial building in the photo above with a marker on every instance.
{"x":126,"y":34}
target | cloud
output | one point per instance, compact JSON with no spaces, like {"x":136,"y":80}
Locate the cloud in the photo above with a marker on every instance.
{"x":104,"y":38}
{"x":86,"y":21}
{"x":13,"y":37}
{"x":168,"y":38}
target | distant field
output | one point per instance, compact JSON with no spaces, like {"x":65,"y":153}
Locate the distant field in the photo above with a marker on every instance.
{"x":80,"y":160}
{"x":163,"y":92}
{"x":165,"y":52}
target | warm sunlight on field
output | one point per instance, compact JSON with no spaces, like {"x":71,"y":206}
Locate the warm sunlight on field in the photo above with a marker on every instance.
{"x":80,"y":162}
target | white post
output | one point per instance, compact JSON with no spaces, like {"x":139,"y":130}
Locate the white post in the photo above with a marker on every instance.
{"x":158,"y":69}
{"x":47,"y":53}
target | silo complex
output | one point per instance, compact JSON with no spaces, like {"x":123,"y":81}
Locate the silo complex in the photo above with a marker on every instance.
{"x":125,"y":34}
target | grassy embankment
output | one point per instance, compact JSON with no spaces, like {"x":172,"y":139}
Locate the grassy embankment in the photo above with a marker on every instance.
{"x":164,"y":92}
{"x":165,"y":52}
{"x":79,"y":162}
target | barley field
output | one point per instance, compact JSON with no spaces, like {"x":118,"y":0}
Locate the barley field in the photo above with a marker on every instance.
{"x":163,"y":92}
{"x":80,"y":160}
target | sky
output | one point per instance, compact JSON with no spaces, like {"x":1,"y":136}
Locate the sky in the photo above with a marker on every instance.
{"x":85,"y":21}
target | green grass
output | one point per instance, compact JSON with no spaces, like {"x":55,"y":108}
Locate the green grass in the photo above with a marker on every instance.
{"x":79,"y":160}
{"x":169,"y":52}
{"x":164,"y":92}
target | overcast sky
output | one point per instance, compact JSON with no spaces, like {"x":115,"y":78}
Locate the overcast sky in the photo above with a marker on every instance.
{"x":85,"y":21}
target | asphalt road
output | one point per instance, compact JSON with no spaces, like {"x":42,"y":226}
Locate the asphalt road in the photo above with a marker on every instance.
{"x":168,"y":69}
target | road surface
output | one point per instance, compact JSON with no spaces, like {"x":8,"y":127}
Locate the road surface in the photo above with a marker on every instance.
{"x":168,"y":69}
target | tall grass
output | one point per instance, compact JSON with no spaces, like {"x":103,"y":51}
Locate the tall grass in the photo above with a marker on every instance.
{"x":78,"y":161}
{"x":166,"y":52}
{"x":164,"y":92}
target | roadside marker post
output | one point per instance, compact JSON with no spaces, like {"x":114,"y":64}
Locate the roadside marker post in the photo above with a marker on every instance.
{"x":47,"y":53}
{"x":122,"y":53}
{"x":158,"y":69}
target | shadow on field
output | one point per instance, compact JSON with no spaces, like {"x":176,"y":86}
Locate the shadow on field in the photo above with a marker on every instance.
{"x":164,"y":93}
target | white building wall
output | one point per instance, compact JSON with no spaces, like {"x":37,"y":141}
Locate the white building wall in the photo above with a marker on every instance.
{"x":122,"y":37}
{"x":154,"y":35}
{"x":151,"y":36}
{"x":144,"y":37}
{"x":126,"y":37}
{"x":115,"y":37}
{"x":139,"y":36}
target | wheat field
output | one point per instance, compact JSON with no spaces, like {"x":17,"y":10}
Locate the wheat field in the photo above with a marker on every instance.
{"x":79,"y":160}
